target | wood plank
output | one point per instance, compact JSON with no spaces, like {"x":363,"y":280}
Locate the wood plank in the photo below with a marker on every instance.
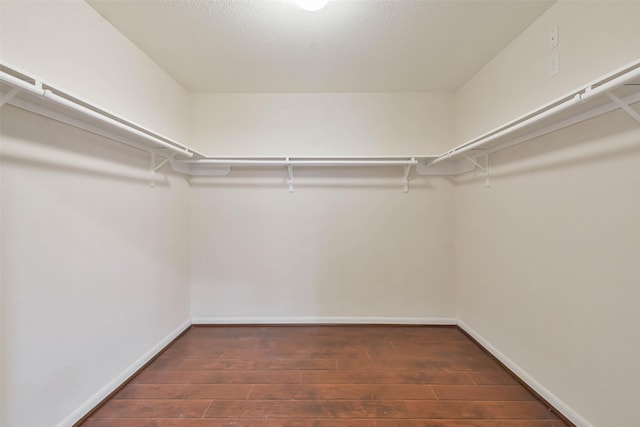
{"x":307,"y":409}
{"x":372,"y":376}
{"x":492,"y":378}
{"x":478,"y":410}
{"x":441,"y":364}
{"x":426,"y":350}
{"x":194,"y":351}
{"x":482,"y":392}
{"x":141,"y":408}
{"x":218,"y":377}
{"x":257,"y":364}
{"x":295,"y":352}
{"x":166,"y":363}
{"x":254,"y":422}
{"x":184,"y":391}
{"x":469,"y":423}
{"x":122,"y":422}
{"x":342,"y":392}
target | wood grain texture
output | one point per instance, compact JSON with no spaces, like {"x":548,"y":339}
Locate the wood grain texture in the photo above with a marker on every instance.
{"x":144,"y":408}
{"x":323,"y":376}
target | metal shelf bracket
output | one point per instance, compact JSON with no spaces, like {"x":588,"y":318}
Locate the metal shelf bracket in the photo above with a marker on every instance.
{"x":290,"y":179}
{"x":155,"y":168}
{"x":405,"y":177}
{"x":486,"y":168}
{"x":9,"y":96}
{"x":623,"y":105}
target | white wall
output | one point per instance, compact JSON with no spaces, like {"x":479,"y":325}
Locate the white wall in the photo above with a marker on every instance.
{"x":546,"y":258}
{"x":94,"y":265}
{"x":336,"y":247}
{"x":547,"y":264}
{"x":596,"y":37}
{"x":68,"y":44}
{"x":94,"y":262}
{"x":321,"y":124}
{"x":345,"y":243}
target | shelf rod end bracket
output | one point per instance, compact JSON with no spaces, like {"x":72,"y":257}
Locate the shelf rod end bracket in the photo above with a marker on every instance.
{"x":153,"y":169}
{"x":9,"y":96}
{"x":405,"y":177}
{"x":478,"y":165}
{"x":164,"y":162}
{"x":290,"y":178}
{"x":623,"y":105}
{"x":486,"y":168}
{"x":487,"y":171}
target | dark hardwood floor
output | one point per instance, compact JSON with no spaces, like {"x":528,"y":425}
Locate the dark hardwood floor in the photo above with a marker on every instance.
{"x":323,"y":376}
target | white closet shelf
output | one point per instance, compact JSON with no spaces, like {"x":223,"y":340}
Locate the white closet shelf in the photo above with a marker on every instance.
{"x":24,"y":91}
{"x":222,"y":165}
{"x":616,"y":90}
{"x":619,"y":89}
{"x":37,"y":96}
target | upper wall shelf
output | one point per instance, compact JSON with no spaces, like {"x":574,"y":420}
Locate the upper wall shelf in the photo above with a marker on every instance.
{"x":20,"y":89}
{"x":31,"y":94}
{"x":619,"y":89}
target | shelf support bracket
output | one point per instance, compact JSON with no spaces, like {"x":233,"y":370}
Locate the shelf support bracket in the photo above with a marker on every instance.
{"x":405,"y":177}
{"x":626,"y":107}
{"x":9,"y":96}
{"x":487,"y":171}
{"x":486,"y":168}
{"x":164,"y":162}
{"x":290,"y":178}
{"x":155,"y":168}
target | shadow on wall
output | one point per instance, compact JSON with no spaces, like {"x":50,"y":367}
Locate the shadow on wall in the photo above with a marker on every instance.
{"x":83,"y":179}
{"x":55,"y":147}
{"x":59,"y":167}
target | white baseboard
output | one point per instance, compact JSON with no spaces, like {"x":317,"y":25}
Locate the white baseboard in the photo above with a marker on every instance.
{"x":325,"y":320}
{"x":120,"y":379}
{"x":528,"y":379}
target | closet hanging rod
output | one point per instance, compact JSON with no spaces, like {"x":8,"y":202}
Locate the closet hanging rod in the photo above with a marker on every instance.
{"x":41,"y":96}
{"x":586,"y":93}
{"x":528,"y":122}
{"x":34,"y":89}
{"x":301,"y":162}
{"x":592,"y":91}
{"x":112,"y":122}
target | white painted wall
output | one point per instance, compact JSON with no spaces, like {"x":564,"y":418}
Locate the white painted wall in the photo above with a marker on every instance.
{"x":94,"y":262}
{"x":596,"y":37}
{"x":546,"y":259}
{"x":547,"y":264}
{"x":321,"y":124}
{"x":337,"y":247}
{"x":345,"y":243}
{"x":94,"y":265}
{"x":67,"y":43}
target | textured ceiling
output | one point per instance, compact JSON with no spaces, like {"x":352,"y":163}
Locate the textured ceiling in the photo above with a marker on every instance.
{"x":349,"y":46}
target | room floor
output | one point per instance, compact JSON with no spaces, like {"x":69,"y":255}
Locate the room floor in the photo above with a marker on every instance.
{"x":323,"y":376}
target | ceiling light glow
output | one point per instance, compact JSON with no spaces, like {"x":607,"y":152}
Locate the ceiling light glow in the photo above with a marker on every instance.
{"x":312,"y":5}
